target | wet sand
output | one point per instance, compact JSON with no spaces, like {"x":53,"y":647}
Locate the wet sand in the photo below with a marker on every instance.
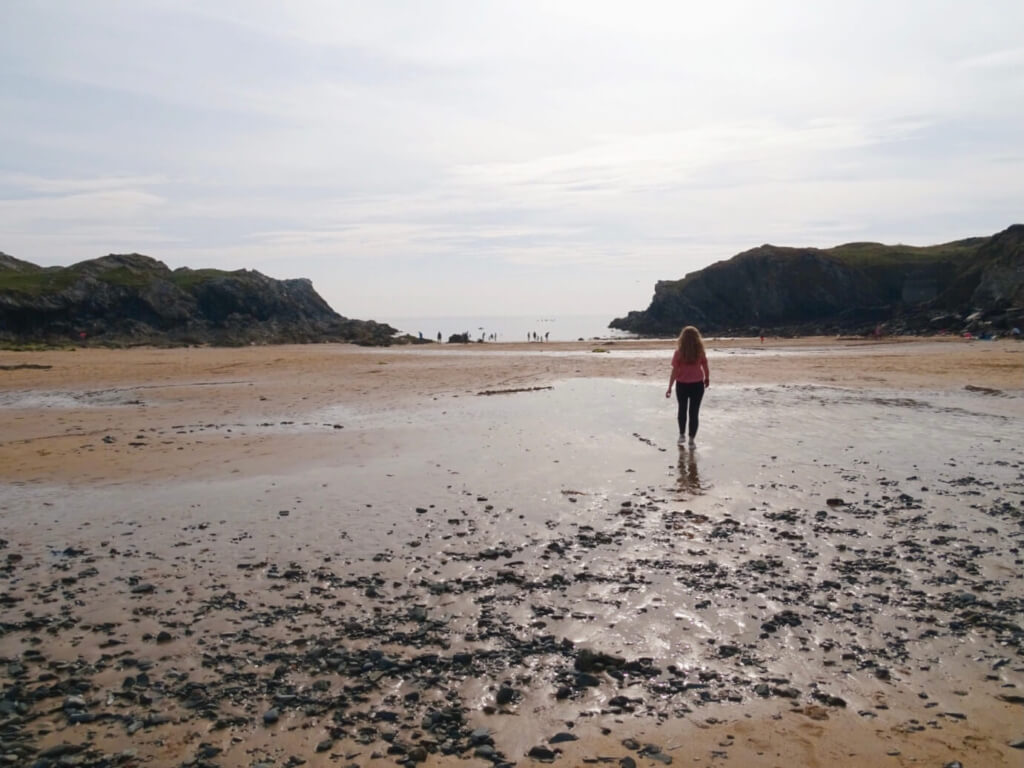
{"x":406,"y":569}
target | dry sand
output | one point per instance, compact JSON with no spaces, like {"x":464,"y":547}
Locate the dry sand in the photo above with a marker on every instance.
{"x":258,"y":504}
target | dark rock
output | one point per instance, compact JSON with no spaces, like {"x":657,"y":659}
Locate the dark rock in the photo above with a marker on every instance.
{"x":563,"y":736}
{"x":417,"y":613}
{"x":132,"y":299}
{"x":271,"y":716}
{"x":506,"y":695}
{"x":590,"y":661}
{"x":832,"y":701}
{"x":586,"y":680}
{"x":206,"y":751}
{"x":480,"y":736}
{"x":850,"y":288}
{"x":61,"y":750}
{"x":541,"y":753}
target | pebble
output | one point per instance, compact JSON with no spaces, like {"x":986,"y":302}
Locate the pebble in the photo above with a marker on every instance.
{"x":345,"y":666}
{"x":541,"y":753}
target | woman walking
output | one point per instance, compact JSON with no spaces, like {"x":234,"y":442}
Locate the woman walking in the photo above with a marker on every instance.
{"x":691,"y":376}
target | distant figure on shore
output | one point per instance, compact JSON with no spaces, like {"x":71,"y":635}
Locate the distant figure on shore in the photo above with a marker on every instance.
{"x":438,"y":337}
{"x":691,"y":376}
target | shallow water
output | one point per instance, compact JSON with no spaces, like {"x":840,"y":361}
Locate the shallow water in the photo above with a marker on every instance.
{"x":866,"y":529}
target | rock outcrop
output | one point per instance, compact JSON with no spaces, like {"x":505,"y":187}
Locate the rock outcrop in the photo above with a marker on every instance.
{"x":132,"y":299}
{"x":975,"y":284}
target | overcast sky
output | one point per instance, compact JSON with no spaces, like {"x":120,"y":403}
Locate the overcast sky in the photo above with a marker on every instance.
{"x":484,"y":157}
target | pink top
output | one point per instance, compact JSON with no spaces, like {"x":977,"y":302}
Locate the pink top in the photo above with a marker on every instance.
{"x":690,"y":373}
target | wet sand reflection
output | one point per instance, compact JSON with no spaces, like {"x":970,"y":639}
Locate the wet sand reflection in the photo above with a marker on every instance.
{"x":689,"y":476}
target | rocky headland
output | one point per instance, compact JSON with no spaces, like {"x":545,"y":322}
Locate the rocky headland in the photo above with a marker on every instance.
{"x":131,"y":299}
{"x":974,"y":285}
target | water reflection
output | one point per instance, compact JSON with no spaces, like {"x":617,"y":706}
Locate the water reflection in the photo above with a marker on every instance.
{"x":689,"y":476}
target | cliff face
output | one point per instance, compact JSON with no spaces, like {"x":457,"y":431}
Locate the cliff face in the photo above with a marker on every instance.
{"x":847,"y":289}
{"x":134,"y":299}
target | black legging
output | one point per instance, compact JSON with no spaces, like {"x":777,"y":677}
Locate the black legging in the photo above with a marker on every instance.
{"x":689,"y":397}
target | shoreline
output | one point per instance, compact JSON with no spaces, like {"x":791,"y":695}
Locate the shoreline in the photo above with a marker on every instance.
{"x":76,"y":418}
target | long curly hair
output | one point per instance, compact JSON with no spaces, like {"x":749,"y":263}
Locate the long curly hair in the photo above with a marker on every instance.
{"x":690,"y":344}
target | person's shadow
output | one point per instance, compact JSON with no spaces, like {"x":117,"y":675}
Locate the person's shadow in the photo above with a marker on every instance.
{"x":689,"y":476}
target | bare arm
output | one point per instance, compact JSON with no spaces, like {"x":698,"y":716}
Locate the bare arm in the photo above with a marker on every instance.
{"x":672,"y":375}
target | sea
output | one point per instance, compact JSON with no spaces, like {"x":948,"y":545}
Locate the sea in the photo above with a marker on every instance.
{"x":509,"y":328}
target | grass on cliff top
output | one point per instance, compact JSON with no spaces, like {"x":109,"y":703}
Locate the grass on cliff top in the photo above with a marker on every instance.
{"x":879,"y":255}
{"x":36,"y":283}
{"x":188,"y":278}
{"x":56,"y":279}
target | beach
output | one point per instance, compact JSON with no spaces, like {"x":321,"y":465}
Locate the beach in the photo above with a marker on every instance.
{"x":496,"y":553}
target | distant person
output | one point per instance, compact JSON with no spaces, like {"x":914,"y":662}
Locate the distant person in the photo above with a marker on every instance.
{"x":438,"y":337}
{"x":691,"y":376}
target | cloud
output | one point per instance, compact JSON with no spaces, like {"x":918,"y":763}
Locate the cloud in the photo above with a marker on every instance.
{"x":449,"y":144}
{"x":1011,"y":58}
{"x":29,"y":183}
{"x":100,"y":205}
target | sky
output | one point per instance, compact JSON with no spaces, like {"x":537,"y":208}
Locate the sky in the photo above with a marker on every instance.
{"x":468,"y":157}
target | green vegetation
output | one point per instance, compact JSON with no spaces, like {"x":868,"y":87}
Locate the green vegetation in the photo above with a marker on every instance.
{"x":187,"y":279}
{"x":125,"y":277}
{"x":38,"y":283}
{"x":56,"y":279}
{"x":876,"y":255}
